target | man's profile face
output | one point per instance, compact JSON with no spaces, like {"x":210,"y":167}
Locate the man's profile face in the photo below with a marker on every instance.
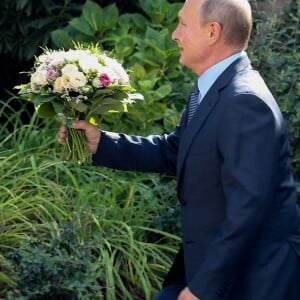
{"x":191,"y":36}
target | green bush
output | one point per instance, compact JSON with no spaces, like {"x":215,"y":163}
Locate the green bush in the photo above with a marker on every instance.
{"x":56,"y":267}
{"x":120,"y":219}
{"x":275,"y":51}
{"x":25,"y":26}
{"x":113,"y":219}
{"x":143,"y":42}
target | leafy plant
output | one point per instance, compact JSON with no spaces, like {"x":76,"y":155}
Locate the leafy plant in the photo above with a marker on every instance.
{"x":56,"y":267}
{"x":143,"y":41}
{"x":26,"y":25}
{"x":275,"y":52}
{"x":93,"y":25}
{"x":121,"y":219}
{"x":112,"y":217}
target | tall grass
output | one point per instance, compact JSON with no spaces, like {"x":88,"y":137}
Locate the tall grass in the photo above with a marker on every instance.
{"x":115,"y":217}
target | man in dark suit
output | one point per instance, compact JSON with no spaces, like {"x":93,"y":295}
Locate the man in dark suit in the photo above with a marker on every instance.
{"x":230,"y":153}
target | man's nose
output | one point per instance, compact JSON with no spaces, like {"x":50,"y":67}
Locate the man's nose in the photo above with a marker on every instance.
{"x":175,"y":35}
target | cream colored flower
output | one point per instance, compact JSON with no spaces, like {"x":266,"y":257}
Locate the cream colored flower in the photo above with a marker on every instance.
{"x":66,"y":81}
{"x":96,"y":83}
{"x":69,"y":69}
{"x":39,"y":78}
{"x":77,"y":80}
{"x":72,"y":81}
{"x":56,"y":60}
{"x":44,"y":58}
{"x":58,"y":85}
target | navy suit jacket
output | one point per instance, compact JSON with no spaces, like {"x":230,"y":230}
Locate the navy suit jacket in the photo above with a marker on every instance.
{"x":240,"y":219}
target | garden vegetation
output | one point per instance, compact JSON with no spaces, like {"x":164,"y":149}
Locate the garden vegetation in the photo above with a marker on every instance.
{"x":80,"y":232}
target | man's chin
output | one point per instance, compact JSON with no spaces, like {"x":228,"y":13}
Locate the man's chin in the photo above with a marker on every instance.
{"x":182,"y":61}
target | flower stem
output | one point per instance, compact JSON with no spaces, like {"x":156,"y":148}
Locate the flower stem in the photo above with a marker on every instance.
{"x":76,"y":148}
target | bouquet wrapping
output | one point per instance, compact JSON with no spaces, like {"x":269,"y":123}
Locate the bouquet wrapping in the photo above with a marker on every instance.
{"x":77,"y":84}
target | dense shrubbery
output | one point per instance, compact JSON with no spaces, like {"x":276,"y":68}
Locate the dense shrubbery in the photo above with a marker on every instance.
{"x":275,"y":51}
{"x":118,"y":220}
{"x":62,"y":224}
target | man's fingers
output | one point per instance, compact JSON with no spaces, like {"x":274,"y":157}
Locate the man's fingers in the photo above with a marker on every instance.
{"x":62,"y":134}
{"x":81,"y":124}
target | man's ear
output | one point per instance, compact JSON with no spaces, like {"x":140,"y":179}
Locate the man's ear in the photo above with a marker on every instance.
{"x":214,"y":32}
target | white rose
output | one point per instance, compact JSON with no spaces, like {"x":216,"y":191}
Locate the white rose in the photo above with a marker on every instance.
{"x":66,"y":81}
{"x":56,"y":59}
{"x":77,"y":80}
{"x":73,"y":80}
{"x":123,"y":77}
{"x":96,"y":82}
{"x":58,"y":85}
{"x":89,"y":63}
{"x":73,"y":55}
{"x":69,"y":69}
{"x":44,"y":59}
{"x":39,"y":78}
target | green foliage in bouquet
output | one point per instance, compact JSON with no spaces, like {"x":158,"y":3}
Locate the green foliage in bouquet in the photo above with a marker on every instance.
{"x":78,"y":84}
{"x":123,"y":208}
{"x":143,"y":42}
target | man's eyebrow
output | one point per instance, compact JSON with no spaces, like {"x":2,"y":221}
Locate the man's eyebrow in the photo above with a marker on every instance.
{"x":180,"y":17}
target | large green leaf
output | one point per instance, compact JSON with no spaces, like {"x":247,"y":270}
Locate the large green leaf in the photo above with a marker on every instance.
{"x":140,"y":21}
{"x":45,"y":110}
{"x":106,"y":105}
{"x":43,"y":98}
{"x":82,"y":26}
{"x":155,"y":9}
{"x":62,"y":39}
{"x":110,"y":16}
{"x":163,"y":91}
{"x":125,"y":46}
{"x":146,"y":59}
{"x":92,"y":13}
{"x":78,"y":106}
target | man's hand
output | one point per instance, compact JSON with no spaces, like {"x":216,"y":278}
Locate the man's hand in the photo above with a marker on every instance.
{"x":92,"y":134}
{"x":187,"y":295}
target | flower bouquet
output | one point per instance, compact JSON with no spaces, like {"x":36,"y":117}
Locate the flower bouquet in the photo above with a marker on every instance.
{"x":77,"y":84}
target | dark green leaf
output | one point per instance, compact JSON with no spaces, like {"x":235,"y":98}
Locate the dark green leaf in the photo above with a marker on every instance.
{"x":46,"y":110}
{"x":110,"y":16}
{"x":92,"y":14}
{"x":82,"y":26}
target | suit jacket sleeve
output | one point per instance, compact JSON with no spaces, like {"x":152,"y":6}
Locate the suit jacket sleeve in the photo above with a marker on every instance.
{"x":248,"y":143}
{"x":135,"y":153}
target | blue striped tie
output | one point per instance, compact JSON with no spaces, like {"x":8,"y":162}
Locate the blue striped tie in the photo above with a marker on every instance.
{"x":193,"y":101}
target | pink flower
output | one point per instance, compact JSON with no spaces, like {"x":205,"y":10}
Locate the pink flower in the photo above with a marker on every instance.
{"x":104,"y":79}
{"x":51,"y":74}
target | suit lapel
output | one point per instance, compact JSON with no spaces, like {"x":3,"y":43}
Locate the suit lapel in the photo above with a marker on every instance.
{"x":196,"y":123}
{"x":206,"y":106}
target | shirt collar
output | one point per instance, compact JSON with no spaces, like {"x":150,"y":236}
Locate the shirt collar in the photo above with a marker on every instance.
{"x":207,"y":79}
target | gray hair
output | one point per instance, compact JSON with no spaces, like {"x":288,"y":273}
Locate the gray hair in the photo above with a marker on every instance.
{"x":234,"y":16}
